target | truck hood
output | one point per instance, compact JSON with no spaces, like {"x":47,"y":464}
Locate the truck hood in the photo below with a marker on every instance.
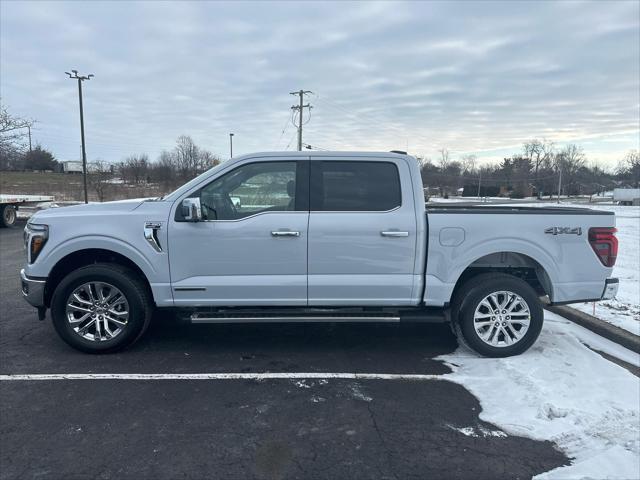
{"x":90,"y":209}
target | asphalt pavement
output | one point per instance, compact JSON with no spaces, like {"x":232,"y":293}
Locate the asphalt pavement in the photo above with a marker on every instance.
{"x":244,"y":428}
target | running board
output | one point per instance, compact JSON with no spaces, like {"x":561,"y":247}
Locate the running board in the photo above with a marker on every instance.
{"x":204,"y":318}
{"x":317,"y":315}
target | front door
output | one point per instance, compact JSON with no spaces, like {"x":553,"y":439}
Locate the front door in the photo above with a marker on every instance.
{"x":251,"y":247}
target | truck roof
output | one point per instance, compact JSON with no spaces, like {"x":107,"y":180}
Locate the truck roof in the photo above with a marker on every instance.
{"x":323,"y":154}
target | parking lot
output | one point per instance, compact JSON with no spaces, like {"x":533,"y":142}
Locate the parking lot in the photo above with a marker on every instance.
{"x":302,"y":424}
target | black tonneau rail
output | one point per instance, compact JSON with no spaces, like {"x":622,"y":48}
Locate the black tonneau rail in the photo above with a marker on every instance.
{"x":511,"y":209}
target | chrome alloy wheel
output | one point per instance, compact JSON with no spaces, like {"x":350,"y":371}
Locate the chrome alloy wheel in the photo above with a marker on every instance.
{"x":501,"y":319}
{"x":97,"y":311}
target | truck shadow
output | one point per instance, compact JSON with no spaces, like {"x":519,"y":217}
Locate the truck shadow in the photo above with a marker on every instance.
{"x":313,"y":347}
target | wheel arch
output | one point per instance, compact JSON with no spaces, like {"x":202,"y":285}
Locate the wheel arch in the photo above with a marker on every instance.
{"x":88,"y":256}
{"x":517,"y":264}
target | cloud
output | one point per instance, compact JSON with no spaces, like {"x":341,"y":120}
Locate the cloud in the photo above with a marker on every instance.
{"x":475,"y":77}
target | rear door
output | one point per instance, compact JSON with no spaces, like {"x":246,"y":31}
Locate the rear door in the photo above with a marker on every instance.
{"x":362,"y":232}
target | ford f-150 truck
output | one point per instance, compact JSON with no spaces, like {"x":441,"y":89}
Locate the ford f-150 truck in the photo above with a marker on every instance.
{"x":308,"y":237}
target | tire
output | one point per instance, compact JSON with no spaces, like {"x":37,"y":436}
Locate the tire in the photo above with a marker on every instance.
{"x":105,"y":282}
{"x":502,"y":334}
{"x":8,"y":216}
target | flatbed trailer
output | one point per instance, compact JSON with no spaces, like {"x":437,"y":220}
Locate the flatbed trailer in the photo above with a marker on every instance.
{"x":9,"y":205}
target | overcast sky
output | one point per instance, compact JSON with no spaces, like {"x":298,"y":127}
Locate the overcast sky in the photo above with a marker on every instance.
{"x":470,"y":76}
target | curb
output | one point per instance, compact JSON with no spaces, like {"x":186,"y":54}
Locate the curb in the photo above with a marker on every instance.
{"x":602,"y":328}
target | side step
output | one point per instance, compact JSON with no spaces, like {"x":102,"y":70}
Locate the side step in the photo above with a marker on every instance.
{"x":316,"y":315}
{"x":225,"y":318}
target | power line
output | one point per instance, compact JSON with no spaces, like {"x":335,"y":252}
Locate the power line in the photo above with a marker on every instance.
{"x":315,"y":147}
{"x":282,"y":132}
{"x":300,"y":110}
{"x":290,"y":142}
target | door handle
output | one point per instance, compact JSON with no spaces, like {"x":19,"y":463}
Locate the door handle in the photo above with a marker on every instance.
{"x":394,"y":233}
{"x":284,"y":233}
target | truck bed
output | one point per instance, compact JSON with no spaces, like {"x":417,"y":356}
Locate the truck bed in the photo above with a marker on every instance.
{"x":472,"y":208}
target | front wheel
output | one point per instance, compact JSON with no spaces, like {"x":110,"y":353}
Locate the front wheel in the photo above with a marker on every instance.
{"x":498,"y":315}
{"x":101,"y":308}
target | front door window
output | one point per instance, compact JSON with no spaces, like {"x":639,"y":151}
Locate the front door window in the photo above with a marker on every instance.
{"x":251,"y":189}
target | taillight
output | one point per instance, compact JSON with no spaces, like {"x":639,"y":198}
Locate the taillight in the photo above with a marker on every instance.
{"x":604,"y":242}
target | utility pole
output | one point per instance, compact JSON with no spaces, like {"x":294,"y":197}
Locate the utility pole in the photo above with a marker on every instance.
{"x":29,"y":127}
{"x":231,"y":145}
{"x":479,"y":182}
{"x":559,"y":179}
{"x":300,"y":108}
{"x":82,"y":78}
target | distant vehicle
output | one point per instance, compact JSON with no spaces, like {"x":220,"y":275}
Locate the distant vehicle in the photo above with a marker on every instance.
{"x":75,"y":166}
{"x":9,"y":205}
{"x":627,"y":196}
{"x":318,"y":237}
{"x":71,"y":166}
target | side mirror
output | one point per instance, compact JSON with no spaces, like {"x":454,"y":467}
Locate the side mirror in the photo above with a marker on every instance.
{"x":191,"y":210}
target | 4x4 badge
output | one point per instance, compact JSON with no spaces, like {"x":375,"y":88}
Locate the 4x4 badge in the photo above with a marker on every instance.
{"x":563,"y":230}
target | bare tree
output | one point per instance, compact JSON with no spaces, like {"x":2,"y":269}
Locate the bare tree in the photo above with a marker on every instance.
{"x":208,"y":160}
{"x":164,"y":171}
{"x":99,"y":178}
{"x":135,"y":168}
{"x":187,"y":156}
{"x":571,"y":159}
{"x":631,"y":167}
{"x":13,"y":135}
{"x":538,"y":151}
{"x":444,"y":159}
{"x":468,"y":164}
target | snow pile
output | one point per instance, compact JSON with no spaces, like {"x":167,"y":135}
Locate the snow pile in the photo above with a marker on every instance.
{"x":562,"y":391}
{"x":624,"y":310}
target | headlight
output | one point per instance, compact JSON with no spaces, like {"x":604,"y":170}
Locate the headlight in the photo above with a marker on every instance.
{"x":35,"y":237}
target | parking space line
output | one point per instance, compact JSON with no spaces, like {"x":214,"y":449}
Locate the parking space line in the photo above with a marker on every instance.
{"x":216,"y":376}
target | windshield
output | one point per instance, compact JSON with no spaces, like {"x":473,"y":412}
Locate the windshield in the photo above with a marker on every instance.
{"x":191,"y":183}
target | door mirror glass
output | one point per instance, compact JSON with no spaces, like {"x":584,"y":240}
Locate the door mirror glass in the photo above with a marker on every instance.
{"x":191,"y":210}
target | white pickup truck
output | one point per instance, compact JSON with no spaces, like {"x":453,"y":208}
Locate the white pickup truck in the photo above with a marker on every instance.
{"x":308,"y":237}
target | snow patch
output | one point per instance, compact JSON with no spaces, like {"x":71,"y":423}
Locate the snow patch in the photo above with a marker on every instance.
{"x":357,"y":393}
{"x":301,"y":384}
{"x":561,"y":391}
{"x":478,"y":431}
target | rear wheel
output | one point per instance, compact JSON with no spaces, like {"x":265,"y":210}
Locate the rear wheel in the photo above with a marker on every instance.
{"x":101,"y":308}
{"x":8,"y":216}
{"x":498,"y":315}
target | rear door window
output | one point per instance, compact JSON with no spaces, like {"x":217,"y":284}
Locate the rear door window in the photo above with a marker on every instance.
{"x":343,"y":186}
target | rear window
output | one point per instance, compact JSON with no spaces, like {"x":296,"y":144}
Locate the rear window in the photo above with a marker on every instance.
{"x":354,"y":186}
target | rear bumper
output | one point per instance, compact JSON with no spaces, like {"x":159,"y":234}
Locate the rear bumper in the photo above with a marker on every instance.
{"x":610,"y":288}
{"x":32,"y":289}
{"x":607,"y":293}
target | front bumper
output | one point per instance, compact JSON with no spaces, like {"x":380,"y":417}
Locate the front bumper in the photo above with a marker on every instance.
{"x":32,"y":290}
{"x":610,"y":288}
